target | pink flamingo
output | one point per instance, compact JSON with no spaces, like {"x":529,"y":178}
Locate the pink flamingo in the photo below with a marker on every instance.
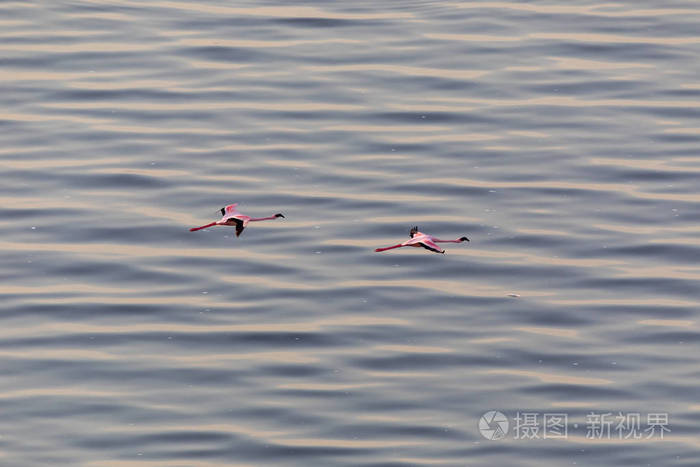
{"x":426,"y":241}
{"x":233,"y":217}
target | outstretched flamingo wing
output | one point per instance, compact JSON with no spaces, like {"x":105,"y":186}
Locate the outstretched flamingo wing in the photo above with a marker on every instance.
{"x":428,"y":244}
{"x":230,"y":209}
{"x":239,"y":226}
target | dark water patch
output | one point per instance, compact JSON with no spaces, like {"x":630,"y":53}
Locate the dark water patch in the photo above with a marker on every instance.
{"x":438,"y":189}
{"x":94,"y":311}
{"x":536,"y":241}
{"x":688,"y":338}
{"x":145,"y":116}
{"x":293,"y":371}
{"x":678,"y":392}
{"x":52,"y":406}
{"x":642,"y":52}
{"x":143,"y":441}
{"x":674,"y":252}
{"x":660,"y":285}
{"x":660,"y":311}
{"x":675,"y":138}
{"x":434,"y":117}
{"x":422,"y":361}
{"x":554,"y":276}
{"x":615,"y":174}
{"x":370,"y":431}
{"x":114,"y":272}
{"x":310,"y":393}
{"x":521,"y":357}
{"x":586,"y":87}
{"x":222,"y":25}
{"x":115,"y":180}
{"x":549,"y":317}
{"x":231,"y":339}
{"x":661,"y":110}
{"x":15,"y":214}
{"x":92,"y":374}
{"x":226,"y":54}
{"x":82,"y":60}
{"x":571,"y":391}
{"x":283,"y":414}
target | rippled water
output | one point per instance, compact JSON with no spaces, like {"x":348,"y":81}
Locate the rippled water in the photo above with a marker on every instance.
{"x":562,"y":138}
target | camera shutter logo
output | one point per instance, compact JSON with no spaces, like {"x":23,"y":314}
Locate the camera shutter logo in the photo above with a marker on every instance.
{"x":493,"y":425}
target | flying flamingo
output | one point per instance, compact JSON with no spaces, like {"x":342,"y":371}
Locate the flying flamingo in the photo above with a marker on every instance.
{"x":426,"y":241}
{"x":233,"y":217}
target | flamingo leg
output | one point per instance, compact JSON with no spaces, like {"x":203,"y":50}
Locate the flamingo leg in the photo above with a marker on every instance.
{"x":390,"y":247}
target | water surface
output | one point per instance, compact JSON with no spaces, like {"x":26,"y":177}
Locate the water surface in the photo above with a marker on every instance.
{"x":560,"y":138}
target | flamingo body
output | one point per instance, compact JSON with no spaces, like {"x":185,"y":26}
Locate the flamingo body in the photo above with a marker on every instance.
{"x":419,"y":239}
{"x":231,"y":216}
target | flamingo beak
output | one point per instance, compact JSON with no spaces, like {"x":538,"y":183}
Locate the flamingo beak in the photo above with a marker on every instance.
{"x":279,"y":215}
{"x":464,"y":239}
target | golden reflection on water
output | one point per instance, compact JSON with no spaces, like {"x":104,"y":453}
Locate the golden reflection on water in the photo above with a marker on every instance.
{"x":471,"y":37}
{"x":290,"y":326}
{"x":456,"y":104}
{"x":157,"y":463}
{"x":628,"y":301}
{"x":400,"y":70}
{"x":666,"y":165}
{"x":346,"y":443}
{"x":649,"y":229}
{"x":443,"y":138}
{"x":492,"y":340}
{"x":551,"y":378}
{"x":200,"y":42}
{"x":553,"y":332}
{"x":327,"y":386}
{"x":412,"y":349}
{"x":667,"y":322}
{"x":359,"y":128}
{"x":117,"y":249}
{"x":627,"y":189}
{"x":599,"y":9}
{"x":614,"y":38}
{"x":575,"y":404}
{"x":683,"y":131}
{"x":293,"y":106}
{"x":296,"y":11}
{"x":210,"y":360}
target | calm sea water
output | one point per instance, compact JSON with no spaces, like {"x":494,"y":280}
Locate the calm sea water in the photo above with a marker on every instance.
{"x":561,"y":137}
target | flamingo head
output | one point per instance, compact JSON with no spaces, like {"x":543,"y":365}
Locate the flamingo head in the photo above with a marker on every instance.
{"x":464,"y":239}
{"x":413,"y":231}
{"x":279,"y":215}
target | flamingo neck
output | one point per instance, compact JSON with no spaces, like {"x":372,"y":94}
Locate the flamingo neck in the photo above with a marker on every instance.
{"x":253,"y":219}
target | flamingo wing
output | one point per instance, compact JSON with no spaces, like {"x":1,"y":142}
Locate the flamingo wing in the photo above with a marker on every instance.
{"x":230,"y":209}
{"x":240,"y":224}
{"x":428,"y":244}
